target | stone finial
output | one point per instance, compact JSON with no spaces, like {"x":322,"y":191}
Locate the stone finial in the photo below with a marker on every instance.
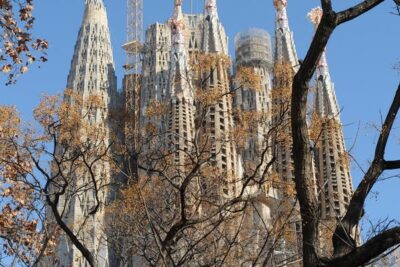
{"x":211,"y":3}
{"x":280,"y":3}
{"x":177,"y":22}
{"x":315,"y":16}
{"x":211,"y":8}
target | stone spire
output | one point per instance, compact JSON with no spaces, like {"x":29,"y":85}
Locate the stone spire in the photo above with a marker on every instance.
{"x":215,"y":39}
{"x":211,"y":8}
{"x":219,"y":116}
{"x":179,"y":97}
{"x":286,"y":65}
{"x":285,"y":50}
{"x":92,"y":73}
{"x":333,"y":169}
{"x":179,"y":71}
{"x":325,"y":99}
{"x":92,"y":66}
{"x":325,"y":103}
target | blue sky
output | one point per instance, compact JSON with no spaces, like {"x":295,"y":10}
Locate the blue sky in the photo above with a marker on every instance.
{"x":361,"y":55}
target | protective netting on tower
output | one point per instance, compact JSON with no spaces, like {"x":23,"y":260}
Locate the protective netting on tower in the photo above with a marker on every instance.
{"x":253,"y":45}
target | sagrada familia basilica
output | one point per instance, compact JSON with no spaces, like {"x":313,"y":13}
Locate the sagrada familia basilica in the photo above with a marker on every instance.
{"x":169,"y":79}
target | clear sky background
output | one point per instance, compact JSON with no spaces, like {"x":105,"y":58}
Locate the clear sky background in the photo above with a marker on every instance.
{"x":361,"y":55}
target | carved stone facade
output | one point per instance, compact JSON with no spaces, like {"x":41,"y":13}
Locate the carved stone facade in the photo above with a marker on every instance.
{"x":253,"y":49}
{"x":201,"y":34}
{"x":92,"y":73}
{"x":167,"y":84}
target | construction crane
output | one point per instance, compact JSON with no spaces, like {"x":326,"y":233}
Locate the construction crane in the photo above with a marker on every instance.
{"x":133,"y":67}
{"x":134,"y":42}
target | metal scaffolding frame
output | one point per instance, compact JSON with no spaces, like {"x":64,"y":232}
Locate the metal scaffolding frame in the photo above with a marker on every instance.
{"x":133,"y":67}
{"x":134,"y":41}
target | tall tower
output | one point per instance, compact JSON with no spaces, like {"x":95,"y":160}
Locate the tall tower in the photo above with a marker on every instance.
{"x":215,"y":39}
{"x":156,"y":63}
{"x":286,"y":65}
{"x":92,"y":73}
{"x":155,"y":74}
{"x":180,"y":97}
{"x":219,"y":118}
{"x":253,"y":49}
{"x":333,"y":169}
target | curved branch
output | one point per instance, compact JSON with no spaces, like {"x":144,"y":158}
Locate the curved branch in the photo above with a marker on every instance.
{"x":357,"y":10}
{"x":355,"y":210}
{"x":370,"y":250}
{"x":302,"y":155}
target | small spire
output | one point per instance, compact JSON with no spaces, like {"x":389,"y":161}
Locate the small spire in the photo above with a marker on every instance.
{"x":281,"y":14}
{"x":179,"y":63}
{"x":285,"y":50}
{"x":177,"y":26}
{"x":326,"y":103}
{"x":214,"y":39}
{"x":315,"y":16}
{"x":178,"y":14}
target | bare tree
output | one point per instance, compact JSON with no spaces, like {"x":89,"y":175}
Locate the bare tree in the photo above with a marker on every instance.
{"x":346,"y":252}
{"x":36,"y":196}
{"x":190,"y":212}
{"x":185,"y":212}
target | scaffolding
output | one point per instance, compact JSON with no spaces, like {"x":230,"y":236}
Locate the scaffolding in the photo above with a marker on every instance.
{"x":133,"y":67}
{"x":134,"y":43}
{"x":252,"y":46}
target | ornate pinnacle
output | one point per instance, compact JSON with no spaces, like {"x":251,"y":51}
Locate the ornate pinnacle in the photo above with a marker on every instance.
{"x":177,"y":19}
{"x":315,"y":16}
{"x":211,"y":8}
{"x":325,"y":96}
{"x":177,"y":9}
{"x":281,"y":14}
{"x":211,"y":4}
{"x":177,"y":25}
{"x":280,"y":3}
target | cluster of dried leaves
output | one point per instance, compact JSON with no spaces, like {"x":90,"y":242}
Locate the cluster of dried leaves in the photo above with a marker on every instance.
{"x":65,"y":133}
{"x":20,"y":204}
{"x":192,"y":212}
{"x":19,"y":49}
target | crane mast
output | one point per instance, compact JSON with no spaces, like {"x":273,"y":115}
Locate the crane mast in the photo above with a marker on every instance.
{"x":133,"y":67}
{"x":134,"y":42}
